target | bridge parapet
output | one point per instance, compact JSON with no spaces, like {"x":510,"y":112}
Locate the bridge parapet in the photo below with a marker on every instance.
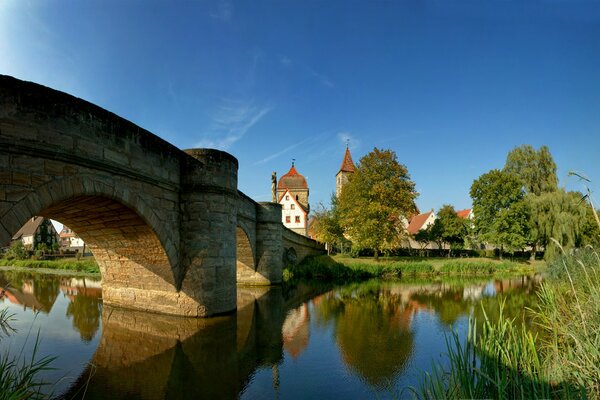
{"x":297,"y":247}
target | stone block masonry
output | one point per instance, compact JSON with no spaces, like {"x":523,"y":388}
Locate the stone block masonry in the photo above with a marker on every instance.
{"x":169,"y":229}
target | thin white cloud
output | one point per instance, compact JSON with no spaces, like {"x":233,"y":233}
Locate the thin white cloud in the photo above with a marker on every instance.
{"x":347,"y":138}
{"x":224,"y":11}
{"x":231,"y":121}
{"x":324,"y":80}
{"x":280,"y":153}
{"x":284,"y":60}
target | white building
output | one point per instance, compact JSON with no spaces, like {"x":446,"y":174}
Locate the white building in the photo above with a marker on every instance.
{"x":292,"y":192}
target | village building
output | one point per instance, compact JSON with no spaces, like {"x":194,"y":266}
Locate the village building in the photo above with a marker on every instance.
{"x":343,"y":175}
{"x":292,"y":194}
{"x":38,"y":230}
{"x":466,"y":214}
{"x":69,"y":240}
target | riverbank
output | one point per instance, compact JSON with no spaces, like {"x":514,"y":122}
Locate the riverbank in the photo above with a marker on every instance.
{"x":505,"y":360}
{"x":345,"y":268}
{"x":85,"y":265}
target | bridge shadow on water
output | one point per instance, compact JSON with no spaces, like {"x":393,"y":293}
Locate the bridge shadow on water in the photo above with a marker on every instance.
{"x":142,"y":355}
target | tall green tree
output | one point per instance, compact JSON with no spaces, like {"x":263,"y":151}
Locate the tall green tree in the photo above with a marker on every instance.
{"x":501,"y":215}
{"x":327,"y":225}
{"x":449,"y":228}
{"x":535,"y":168}
{"x":375,"y":201}
{"x":559,"y":215}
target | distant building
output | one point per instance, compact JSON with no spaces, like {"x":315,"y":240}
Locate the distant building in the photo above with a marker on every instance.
{"x":70,"y":241}
{"x":292,"y":194}
{"x":420,"y":222}
{"x":36,"y":231}
{"x":466,"y":214}
{"x":346,"y":169}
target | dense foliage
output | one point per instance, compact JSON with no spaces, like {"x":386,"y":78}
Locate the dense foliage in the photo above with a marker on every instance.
{"x":501,"y":216}
{"x":535,"y":169}
{"x":448,"y":228}
{"x":378,"y":197}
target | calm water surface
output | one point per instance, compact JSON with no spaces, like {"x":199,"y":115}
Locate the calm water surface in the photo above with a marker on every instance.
{"x":368,"y":340}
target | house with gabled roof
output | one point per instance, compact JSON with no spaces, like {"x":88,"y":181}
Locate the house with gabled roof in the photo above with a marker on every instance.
{"x":292,"y":192}
{"x":465,"y":214}
{"x":421,"y":222}
{"x":37,"y":230}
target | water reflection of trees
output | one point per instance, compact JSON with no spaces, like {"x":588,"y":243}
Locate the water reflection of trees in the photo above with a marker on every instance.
{"x":39,"y":292}
{"x":86,"y":312}
{"x":372,"y":328}
{"x":372,"y":321}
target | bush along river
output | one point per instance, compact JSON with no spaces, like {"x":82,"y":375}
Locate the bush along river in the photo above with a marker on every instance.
{"x":365,"y":340}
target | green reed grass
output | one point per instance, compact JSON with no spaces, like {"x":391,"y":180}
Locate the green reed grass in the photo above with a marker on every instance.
{"x":82,"y":265}
{"x":342,"y":269}
{"x":505,"y":360}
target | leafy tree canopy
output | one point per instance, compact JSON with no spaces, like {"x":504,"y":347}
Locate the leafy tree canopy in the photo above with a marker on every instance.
{"x":449,"y":227}
{"x":535,"y":168}
{"x":327,"y":225}
{"x":559,"y":215}
{"x":501,"y":215}
{"x":375,"y":201}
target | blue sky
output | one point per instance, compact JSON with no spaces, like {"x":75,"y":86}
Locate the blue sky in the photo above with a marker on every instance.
{"x":451,"y":86}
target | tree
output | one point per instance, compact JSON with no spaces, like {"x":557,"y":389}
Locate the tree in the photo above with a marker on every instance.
{"x":327,"y":225}
{"x":423,"y":237}
{"x":449,"y":228}
{"x":559,"y":215}
{"x":501,"y":215}
{"x":377,"y":198}
{"x":535,"y":169}
{"x":590,"y":231}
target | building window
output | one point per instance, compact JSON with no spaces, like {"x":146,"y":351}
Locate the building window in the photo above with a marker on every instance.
{"x":292,"y":206}
{"x":297,"y":219}
{"x":287,"y":197}
{"x":296,"y":197}
{"x":287,"y":219}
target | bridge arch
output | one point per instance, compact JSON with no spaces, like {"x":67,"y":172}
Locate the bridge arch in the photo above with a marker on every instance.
{"x":245,"y":252}
{"x":137,"y":260}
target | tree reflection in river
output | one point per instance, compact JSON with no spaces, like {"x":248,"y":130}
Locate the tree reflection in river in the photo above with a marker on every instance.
{"x":357,"y":341}
{"x":372,"y":329}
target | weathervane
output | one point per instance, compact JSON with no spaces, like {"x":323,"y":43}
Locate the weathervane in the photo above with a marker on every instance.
{"x":347,"y":142}
{"x":293,"y":161}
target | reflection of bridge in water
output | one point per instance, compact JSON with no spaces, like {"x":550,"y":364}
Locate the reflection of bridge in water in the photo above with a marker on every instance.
{"x":148,"y":356}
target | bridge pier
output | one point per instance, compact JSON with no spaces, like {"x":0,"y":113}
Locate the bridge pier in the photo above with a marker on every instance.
{"x":208,"y":230}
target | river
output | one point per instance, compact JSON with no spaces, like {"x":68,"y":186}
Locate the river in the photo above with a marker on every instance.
{"x":369,"y":340}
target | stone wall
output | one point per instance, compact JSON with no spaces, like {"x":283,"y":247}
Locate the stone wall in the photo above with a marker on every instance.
{"x":301,"y":245}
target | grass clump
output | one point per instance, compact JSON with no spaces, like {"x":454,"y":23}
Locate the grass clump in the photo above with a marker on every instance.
{"x":346,"y":269}
{"x":19,"y":376}
{"x":82,"y":265}
{"x":505,"y":360}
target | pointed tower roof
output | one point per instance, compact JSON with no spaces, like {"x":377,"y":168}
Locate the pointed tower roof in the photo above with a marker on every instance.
{"x":292,"y":180}
{"x":347,"y":164}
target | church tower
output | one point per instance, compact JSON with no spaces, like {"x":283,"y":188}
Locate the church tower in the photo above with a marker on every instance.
{"x":292,"y":194}
{"x":346,"y":169}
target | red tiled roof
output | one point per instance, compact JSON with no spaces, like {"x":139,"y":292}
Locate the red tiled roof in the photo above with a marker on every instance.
{"x":416,"y":223}
{"x":463,"y":213}
{"x":347,"y":164}
{"x":292,"y":180}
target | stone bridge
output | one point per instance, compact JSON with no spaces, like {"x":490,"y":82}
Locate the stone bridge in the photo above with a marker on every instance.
{"x":169,"y":229}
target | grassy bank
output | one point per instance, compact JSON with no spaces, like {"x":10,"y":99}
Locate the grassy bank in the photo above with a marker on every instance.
{"x":343,"y":268}
{"x":87,"y":264}
{"x":506,"y":361}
